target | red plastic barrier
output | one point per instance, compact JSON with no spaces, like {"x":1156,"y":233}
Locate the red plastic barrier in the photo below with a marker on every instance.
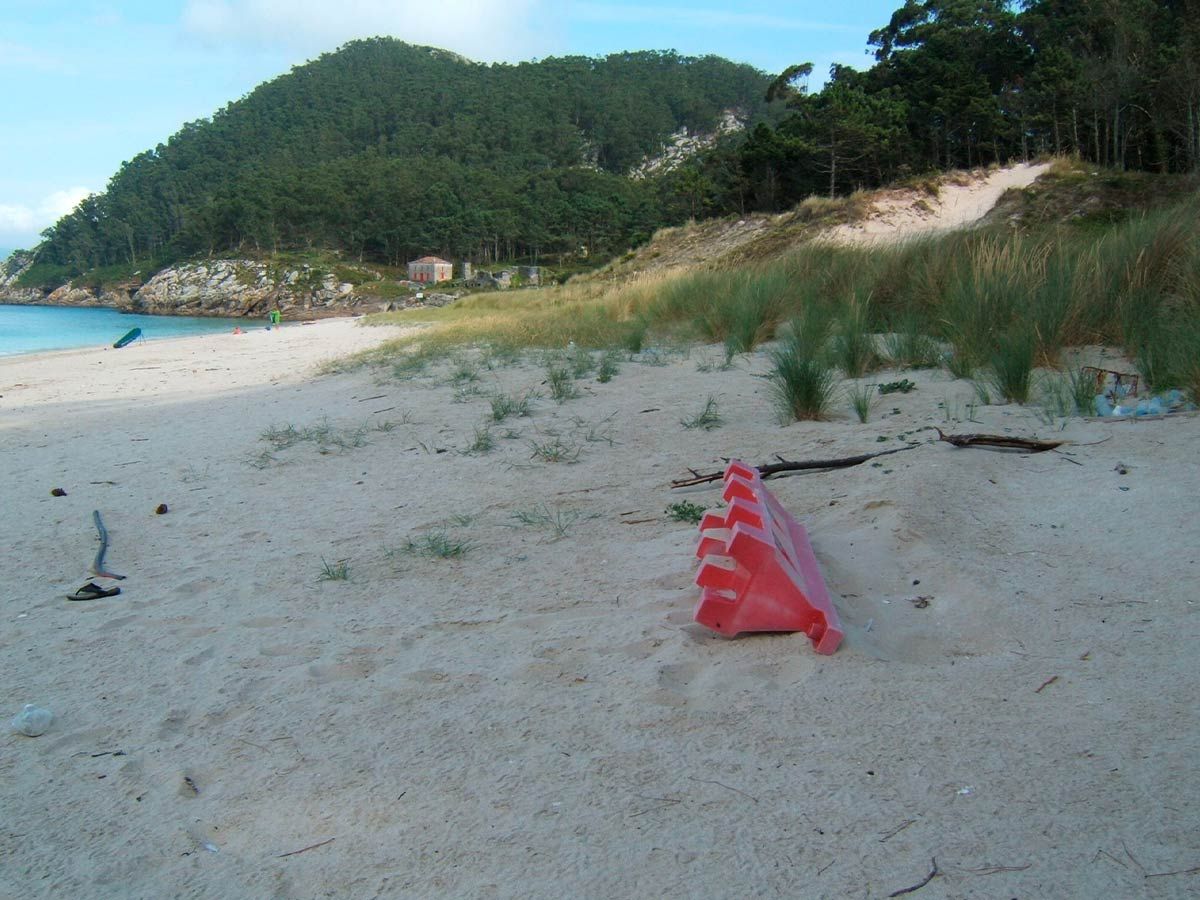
{"x":757,"y":569}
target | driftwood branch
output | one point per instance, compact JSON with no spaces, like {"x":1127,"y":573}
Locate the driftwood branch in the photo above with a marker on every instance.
{"x":1029,"y":445}
{"x":933,"y":873}
{"x":766,"y":470}
{"x":306,"y":849}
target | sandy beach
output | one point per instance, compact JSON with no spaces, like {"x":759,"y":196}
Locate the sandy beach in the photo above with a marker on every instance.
{"x":1013,"y":705}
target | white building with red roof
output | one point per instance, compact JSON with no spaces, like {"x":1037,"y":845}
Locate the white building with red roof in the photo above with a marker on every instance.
{"x":430,"y":270}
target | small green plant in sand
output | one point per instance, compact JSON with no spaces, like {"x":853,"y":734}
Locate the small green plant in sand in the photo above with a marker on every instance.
{"x":596,"y":432}
{"x":438,"y":544}
{"x":339,"y":571}
{"x":609,"y":366}
{"x":465,"y":393}
{"x":1062,"y":395}
{"x":862,"y":398}
{"x":686,"y":511}
{"x":903,"y":386}
{"x":324,"y":435}
{"x":505,"y":405}
{"x":707,"y":418}
{"x":556,"y":520}
{"x":983,"y":397}
{"x":463,"y":372}
{"x":561,"y":383}
{"x":482,"y":442}
{"x":555,"y":450}
{"x":581,"y":362}
{"x":263,"y":460}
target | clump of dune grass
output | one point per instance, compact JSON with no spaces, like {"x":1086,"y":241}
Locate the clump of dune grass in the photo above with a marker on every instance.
{"x":1011,"y":364}
{"x":561,"y":383}
{"x":322,"y":433}
{"x":556,"y":520}
{"x":582,"y":362}
{"x":853,"y":346}
{"x":1062,"y":395}
{"x":738,"y":309}
{"x":609,"y":366}
{"x":1168,"y":355}
{"x":862,"y":398}
{"x":802,"y":383}
{"x":438,"y":544}
{"x":960,"y":364}
{"x":555,"y":449}
{"x":464,"y":372}
{"x":338,"y":571}
{"x":1133,"y":285}
{"x":483,"y":441}
{"x":911,"y":348}
{"x":708,"y":418}
{"x":505,"y":405}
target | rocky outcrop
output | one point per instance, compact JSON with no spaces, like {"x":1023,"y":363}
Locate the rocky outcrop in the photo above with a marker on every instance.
{"x":225,"y":287}
{"x":10,"y":271}
{"x":243,"y":288}
{"x":683,"y":145}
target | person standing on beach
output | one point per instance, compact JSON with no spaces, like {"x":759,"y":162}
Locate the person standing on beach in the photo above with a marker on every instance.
{"x":276,"y":317}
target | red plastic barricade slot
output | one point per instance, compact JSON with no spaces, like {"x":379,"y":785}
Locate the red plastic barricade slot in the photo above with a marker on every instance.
{"x":757,"y":569}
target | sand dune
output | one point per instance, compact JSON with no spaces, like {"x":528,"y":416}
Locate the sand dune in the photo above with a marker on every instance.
{"x":540,"y":715}
{"x":900,"y":215}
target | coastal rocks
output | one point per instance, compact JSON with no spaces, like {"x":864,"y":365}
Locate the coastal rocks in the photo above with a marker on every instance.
{"x":230,"y":288}
{"x":243,"y":288}
{"x":419,"y":301}
{"x":10,"y":270}
{"x":69,"y":295}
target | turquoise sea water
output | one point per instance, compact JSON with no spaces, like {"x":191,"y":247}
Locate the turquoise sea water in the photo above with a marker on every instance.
{"x":32,"y":329}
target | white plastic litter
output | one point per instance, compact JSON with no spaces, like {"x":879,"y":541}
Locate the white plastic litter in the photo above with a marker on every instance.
{"x":32,"y":721}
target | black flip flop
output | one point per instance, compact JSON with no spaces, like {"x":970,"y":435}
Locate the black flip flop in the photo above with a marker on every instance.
{"x":93,"y":591}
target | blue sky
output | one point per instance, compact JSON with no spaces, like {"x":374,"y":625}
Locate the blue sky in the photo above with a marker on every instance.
{"x":88,"y":84}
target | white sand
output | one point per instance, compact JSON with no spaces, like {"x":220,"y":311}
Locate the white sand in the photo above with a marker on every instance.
{"x":903,"y":214}
{"x":540,"y":717}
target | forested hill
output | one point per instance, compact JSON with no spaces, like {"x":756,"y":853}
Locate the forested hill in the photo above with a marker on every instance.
{"x":384,"y":151}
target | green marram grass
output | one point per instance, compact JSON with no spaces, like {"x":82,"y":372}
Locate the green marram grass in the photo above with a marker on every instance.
{"x":802,"y":384}
{"x":978,"y":302}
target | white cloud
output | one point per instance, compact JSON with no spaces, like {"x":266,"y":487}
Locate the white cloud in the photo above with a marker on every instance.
{"x":59,"y":203}
{"x":484,"y":31}
{"x":21,"y":223}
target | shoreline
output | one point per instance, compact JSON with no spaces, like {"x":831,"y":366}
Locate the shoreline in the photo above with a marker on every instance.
{"x":248,"y":323}
{"x":208,"y":363}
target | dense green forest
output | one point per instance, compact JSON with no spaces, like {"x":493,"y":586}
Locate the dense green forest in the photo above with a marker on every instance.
{"x":962,"y":83}
{"x":385,"y":151}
